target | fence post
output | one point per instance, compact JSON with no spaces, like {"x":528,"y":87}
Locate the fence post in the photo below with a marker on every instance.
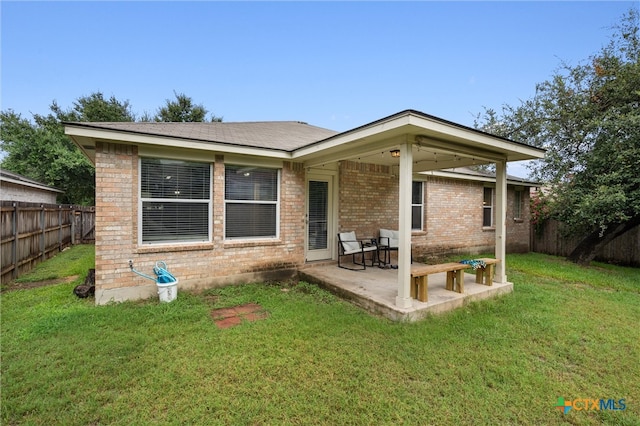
{"x":44,"y":230}
{"x":60,"y":228}
{"x":14,"y":248}
{"x":72,"y":219}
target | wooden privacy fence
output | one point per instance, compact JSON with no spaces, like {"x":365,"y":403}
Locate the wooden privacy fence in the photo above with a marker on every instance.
{"x":34,"y":232}
{"x":623,"y":250}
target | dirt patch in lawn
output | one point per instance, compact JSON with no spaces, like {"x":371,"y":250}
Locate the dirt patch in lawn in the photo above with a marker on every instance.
{"x":235,"y":315}
{"x":10,"y":286}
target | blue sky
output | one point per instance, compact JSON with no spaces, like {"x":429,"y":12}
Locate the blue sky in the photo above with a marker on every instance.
{"x":337,"y":65}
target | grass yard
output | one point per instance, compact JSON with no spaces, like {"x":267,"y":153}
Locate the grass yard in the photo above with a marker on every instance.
{"x":566,"y":332}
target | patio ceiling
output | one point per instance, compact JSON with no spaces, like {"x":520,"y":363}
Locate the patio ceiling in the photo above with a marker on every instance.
{"x":436,"y":144}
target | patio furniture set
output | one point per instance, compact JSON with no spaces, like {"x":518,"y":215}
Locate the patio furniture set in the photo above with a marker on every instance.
{"x":380,"y":249}
{"x":380,"y":252}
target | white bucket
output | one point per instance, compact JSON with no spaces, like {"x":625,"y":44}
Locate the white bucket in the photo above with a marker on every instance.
{"x":168,"y":291}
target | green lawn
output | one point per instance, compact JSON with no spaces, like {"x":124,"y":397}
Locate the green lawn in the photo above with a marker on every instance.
{"x":566,"y":332}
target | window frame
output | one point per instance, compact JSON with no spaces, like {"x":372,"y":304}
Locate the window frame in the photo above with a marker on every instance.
{"x":490,"y":207}
{"x":142,"y":200}
{"x":421,"y":205}
{"x":253,"y":202}
{"x":518,"y":205}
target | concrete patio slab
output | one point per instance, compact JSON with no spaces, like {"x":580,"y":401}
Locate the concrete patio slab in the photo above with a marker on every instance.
{"x":375,"y":290}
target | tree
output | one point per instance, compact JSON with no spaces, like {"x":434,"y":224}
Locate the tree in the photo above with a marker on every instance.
{"x":95,"y":108}
{"x":183,"y":110}
{"x":587,"y":116}
{"x":40,"y":149}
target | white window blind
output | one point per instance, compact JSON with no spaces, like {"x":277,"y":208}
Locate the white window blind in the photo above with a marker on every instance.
{"x":251,"y":202}
{"x":175,"y":199}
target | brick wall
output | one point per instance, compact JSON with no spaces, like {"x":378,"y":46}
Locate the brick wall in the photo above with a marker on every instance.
{"x":453,"y":219}
{"x":368,"y":201}
{"x":116,"y":197}
{"x":15,"y":192}
{"x":452,"y":212}
{"x":195,"y":265}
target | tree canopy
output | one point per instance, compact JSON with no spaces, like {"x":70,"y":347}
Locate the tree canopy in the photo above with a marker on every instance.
{"x":39,"y":149}
{"x":182,"y":109}
{"x":587,"y":116}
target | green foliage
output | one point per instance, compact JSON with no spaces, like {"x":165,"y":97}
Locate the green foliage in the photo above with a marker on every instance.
{"x":39,"y":149}
{"x":539,"y":208}
{"x":95,"y":108}
{"x":588,"y":118}
{"x":183,"y":110}
{"x":565,"y":331}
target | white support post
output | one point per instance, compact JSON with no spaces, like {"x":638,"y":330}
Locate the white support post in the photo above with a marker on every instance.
{"x":403,"y":300}
{"x":501,"y":221}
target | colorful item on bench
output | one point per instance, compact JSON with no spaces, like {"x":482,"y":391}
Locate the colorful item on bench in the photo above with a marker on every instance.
{"x":475,"y":264}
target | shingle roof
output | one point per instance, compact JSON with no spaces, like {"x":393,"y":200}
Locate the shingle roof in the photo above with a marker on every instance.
{"x":15,"y":178}
{"x":473,"y":172}
{"x":281,"y":135}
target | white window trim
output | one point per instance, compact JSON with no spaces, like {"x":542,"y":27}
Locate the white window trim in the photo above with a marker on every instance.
{"x":142,"y":200}
{"x":277,"y":204}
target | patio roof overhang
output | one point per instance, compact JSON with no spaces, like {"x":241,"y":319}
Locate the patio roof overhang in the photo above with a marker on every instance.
{"x":436,"y":144}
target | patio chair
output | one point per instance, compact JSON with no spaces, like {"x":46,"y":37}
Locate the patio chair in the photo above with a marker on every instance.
{"x":349,"y":245}
{"x":389,"y":241}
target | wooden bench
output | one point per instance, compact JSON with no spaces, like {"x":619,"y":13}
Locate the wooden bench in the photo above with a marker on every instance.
{"x":485,"y":275}
{"x":419,"y":280}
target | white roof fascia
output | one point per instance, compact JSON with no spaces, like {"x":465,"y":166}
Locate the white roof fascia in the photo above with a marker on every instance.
{"x":164,"y":141}
{"x":436,"y":133}
{"x":350,"y":136}
{"x":486,"y":141}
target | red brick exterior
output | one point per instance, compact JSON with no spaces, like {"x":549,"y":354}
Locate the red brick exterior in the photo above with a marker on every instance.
{"x":452,"y":212}
{"x":195,"y":265}
{"x":368,"y":201}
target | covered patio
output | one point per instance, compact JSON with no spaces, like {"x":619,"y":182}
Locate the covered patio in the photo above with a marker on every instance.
{"x":375,"y":290}
{"x":413,"y":143}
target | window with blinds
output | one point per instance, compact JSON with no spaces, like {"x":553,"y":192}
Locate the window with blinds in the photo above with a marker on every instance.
{"x":417,"y":205}
{"x":175,"y":198}
{"x":487,"y":208}
{"x":518,"y":205}
{"x":251,"y":202}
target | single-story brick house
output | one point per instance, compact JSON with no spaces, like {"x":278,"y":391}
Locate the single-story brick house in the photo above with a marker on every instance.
{"x":224,"y":203}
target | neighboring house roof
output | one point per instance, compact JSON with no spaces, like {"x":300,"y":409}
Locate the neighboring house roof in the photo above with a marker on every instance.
{"x":16,"y":179}
{"x":471,"y":174}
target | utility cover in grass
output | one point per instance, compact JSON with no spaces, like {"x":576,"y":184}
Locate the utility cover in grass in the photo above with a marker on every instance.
{"x":228,"y":317}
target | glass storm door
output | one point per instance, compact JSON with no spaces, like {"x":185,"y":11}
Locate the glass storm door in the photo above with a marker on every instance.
{"x":319,"y":223}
